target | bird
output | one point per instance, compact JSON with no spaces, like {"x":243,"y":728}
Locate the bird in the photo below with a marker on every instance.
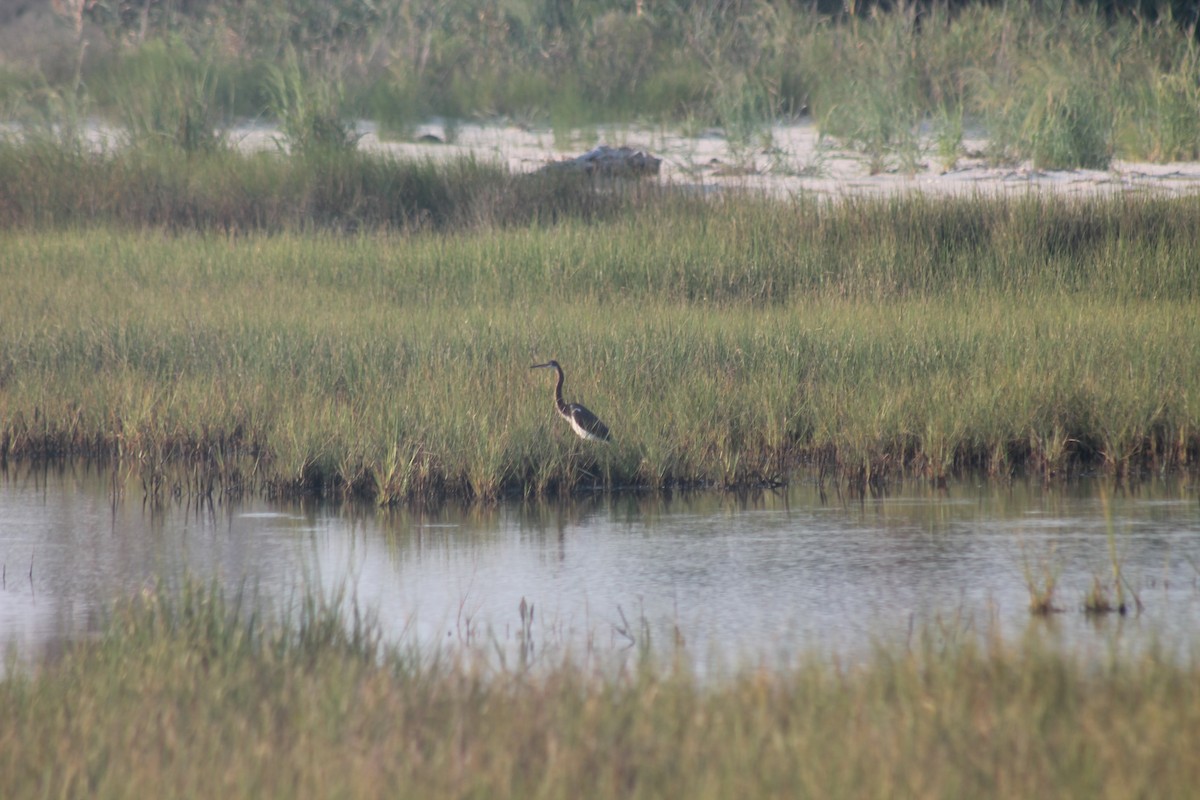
{"x":585,"y":424}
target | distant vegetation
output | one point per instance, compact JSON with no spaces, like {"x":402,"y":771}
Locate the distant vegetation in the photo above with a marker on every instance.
{"x":1062,"y":84}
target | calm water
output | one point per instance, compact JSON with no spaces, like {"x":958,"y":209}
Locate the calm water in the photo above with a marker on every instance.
{"x":739,"y":579}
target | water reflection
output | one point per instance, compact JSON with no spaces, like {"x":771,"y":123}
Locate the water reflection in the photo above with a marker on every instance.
{"x":754,"y":577}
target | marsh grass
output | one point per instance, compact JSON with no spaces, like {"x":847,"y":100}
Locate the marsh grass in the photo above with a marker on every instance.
{"x":726,"y":344}
{"x":188,"y":691}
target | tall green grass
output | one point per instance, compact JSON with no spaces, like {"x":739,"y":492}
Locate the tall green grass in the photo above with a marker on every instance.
{"x":724,"y":343}
{"x":191,"y":693}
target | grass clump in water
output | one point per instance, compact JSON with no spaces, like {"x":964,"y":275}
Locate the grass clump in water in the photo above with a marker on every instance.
{"x":1042,"y":588}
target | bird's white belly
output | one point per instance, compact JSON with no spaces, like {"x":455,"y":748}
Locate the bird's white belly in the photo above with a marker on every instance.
{"x":582,"y":432}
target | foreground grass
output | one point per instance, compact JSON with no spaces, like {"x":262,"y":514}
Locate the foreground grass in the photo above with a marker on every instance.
{"x":724,"y":344}
{"x":187,"y":694}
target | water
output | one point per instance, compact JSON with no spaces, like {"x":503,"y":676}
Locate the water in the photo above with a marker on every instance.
{"x":755,"y":579}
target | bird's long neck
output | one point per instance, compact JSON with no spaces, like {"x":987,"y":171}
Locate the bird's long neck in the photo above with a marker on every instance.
{"x":558,"y":400}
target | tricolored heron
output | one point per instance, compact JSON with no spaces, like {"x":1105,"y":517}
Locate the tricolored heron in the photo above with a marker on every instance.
{"x":585,"y":424}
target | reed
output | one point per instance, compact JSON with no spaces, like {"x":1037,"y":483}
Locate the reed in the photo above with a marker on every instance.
{"x":187,"y":691}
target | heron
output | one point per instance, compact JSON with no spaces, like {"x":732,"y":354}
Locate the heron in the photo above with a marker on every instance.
{"x":585,"y":424}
